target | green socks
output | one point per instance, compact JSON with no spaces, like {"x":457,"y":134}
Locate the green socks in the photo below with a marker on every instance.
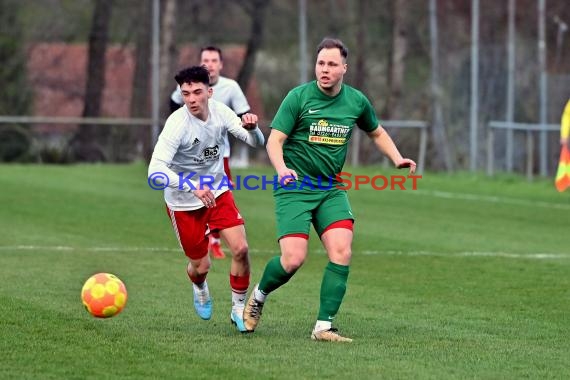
{"x":333,"y":288}
{"x":273,"y":276}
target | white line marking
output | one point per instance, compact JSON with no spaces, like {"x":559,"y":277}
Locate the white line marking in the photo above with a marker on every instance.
{"x":491,"y":199}
{"x":510,"y":255}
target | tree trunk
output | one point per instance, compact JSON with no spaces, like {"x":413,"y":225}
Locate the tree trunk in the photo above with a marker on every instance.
{"x":256,"y":10}
{"x":141,"y":75}
{"x":396,"y":67}
{"x":87,"y":144}
{"x":140,"y":107}
{"x":167,"y":54}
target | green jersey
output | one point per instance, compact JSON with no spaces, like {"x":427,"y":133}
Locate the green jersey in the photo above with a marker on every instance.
{"x":319,"y":127}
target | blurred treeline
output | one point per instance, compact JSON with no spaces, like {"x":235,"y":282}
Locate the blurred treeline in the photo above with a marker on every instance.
{"x":389,"y":60}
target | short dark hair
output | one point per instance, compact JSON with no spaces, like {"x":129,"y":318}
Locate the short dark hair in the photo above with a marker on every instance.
{"x":211,"y":48}
{"x":333,"y":43}
{"x":194,"y":74}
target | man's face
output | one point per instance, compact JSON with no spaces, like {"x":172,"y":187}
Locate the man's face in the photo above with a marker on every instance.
{"x":211,"y":59}
{"x":196,"y":97}
{"x":329,"y":68}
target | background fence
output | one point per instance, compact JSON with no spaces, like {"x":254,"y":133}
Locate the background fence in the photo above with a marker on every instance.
{"x":425,"y":61}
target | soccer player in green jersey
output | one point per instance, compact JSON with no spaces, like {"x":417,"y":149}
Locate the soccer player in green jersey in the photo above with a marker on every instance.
{"x":308,"y":145}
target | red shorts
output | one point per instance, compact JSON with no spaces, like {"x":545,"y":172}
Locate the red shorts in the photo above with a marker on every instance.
{"x":192,"y":227}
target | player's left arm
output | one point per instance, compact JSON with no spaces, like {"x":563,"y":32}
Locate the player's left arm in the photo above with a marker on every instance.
{"x":247,"y":130}
{"x":386,"y":145}
{"x":243,"y":113}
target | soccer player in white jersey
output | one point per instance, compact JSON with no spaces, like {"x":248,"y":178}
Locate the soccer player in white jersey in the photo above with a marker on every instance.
{"x":228,"y":92}
{"x":189,"y":153}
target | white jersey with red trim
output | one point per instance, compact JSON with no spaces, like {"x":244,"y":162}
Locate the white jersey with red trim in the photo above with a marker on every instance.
{"x":189,"y":153}
{"x":227,"y":91}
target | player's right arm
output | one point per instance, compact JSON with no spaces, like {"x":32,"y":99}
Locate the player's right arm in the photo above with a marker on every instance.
{"x":275,"y":152}
{"x":281,"y":127}
{"x":166,"y":147}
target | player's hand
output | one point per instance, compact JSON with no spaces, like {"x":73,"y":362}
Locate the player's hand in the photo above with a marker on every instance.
{"x":407,"y":163}
{"x":206,"y":196}
{"x":286,"y":176}
{"x":249,"y":121}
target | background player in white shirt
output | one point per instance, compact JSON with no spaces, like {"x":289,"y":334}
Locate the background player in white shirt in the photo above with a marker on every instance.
{"x":228,"y":92}
{"x":189,"y":156}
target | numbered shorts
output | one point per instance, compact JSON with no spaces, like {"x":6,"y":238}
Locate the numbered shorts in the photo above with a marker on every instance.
{"x":192,"y":227}
{"x":295,"y":210}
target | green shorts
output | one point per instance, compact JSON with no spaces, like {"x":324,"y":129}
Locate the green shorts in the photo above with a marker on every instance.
{"x":295,"y":211}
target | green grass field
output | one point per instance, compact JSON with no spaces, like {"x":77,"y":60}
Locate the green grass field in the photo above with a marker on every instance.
{"x":467,"y":277}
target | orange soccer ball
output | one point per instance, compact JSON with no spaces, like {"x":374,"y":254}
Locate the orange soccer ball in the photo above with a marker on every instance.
{"x":104,"y":295}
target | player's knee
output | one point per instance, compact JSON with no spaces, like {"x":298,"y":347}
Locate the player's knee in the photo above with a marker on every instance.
{"x":201,"y":266}
{"x":204,"y":267}
{"x":292,"y":262}
{"x":240,"y":251}
{"x":341,"y":256}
